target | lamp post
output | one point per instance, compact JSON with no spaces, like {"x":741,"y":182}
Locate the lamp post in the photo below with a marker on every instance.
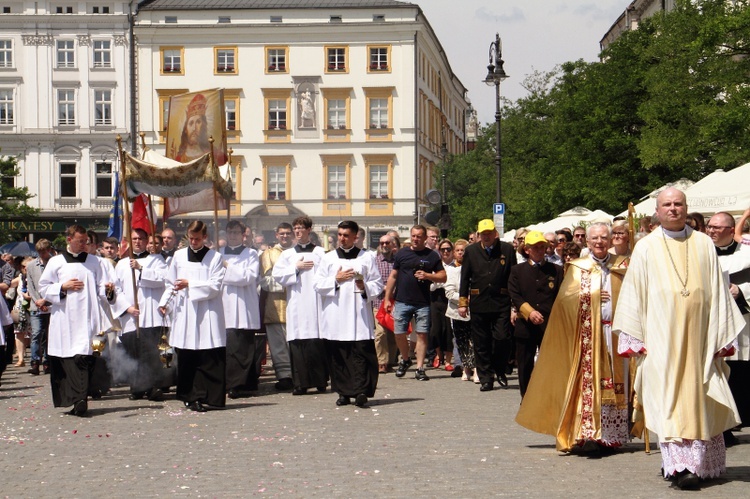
{"x":496,"y":74}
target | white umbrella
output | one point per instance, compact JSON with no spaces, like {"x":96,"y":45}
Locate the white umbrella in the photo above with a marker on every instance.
{"x":721,"y":191}
{"x":647,"y":206}
{"x":572,"y":218}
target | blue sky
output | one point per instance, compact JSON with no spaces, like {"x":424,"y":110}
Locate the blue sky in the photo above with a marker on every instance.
{"x":536,"y":35}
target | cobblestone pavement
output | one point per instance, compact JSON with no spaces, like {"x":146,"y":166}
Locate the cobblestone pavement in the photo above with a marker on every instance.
{"x":437,"y":438}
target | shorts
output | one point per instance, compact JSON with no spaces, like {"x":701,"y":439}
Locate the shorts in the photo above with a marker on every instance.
{"x":403,"y":313}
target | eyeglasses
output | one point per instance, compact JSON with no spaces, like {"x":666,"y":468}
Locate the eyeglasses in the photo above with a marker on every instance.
{"x":579,"y":235}
{"x":446,"y":249}
{"x":385,"y":243}
{"x":718,"y":227}
{"x":616,"y":234}
{"x":561,"y":240}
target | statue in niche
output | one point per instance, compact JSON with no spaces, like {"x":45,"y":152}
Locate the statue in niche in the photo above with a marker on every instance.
{"x":307,"y":110}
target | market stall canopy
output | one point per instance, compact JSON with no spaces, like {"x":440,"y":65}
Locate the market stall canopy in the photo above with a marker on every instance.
{"x":721,"y":191}
{"x":572,"y":218}
{"x":647,"y":206}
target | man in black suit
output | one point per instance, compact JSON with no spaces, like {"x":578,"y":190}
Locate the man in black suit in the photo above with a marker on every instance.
{"x":533,"y":287}
{"x":484,"y":290}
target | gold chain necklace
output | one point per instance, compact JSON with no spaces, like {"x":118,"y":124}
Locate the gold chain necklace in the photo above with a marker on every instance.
{"x":684,"y":291}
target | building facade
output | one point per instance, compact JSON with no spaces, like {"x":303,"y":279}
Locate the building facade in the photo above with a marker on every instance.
{"x":631,"y":17}
{"x":64,"y":97}
{"x":334,"y":108}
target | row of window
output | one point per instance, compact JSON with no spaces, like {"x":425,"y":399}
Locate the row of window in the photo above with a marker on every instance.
{"x":276,"y":181}
{"x":336,"y":106}
{"x":65,"y":54}
{"x":276,"y":59}
{"x":336,"y":182}
{"x":66,"y":107}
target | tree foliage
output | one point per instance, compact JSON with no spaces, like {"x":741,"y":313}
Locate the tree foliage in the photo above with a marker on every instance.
{"x":668,"y":100}
{"x":12,"y":199}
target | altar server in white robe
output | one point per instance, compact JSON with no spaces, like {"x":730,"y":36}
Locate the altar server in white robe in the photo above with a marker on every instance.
{"x":347,"y":281}
{"x":193,"y":301}
{"x":145,"y":376}
{"x":74,"y":282}
{"x":241,"y":311}
{"x":295,"y":270}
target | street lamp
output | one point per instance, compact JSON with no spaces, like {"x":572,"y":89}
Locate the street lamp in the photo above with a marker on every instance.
{"x":496,"y":74}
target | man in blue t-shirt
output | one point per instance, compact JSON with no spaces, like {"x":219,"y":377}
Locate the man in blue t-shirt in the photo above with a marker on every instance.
{"x":414,"y":269}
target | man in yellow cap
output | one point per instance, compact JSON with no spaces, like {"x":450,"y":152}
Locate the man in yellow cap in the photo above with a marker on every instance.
{"x":533,"y":287}
{"x":484,"y":291}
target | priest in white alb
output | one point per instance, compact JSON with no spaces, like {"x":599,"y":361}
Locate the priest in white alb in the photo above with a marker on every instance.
{"x":295,"y":270}
{"x":73,"y":282}
{"x":241,"y":311}
{"x":141,"y":343}
{"x":192,"y":300}
{"x":676,"y":315}
{"x":347,"y":281}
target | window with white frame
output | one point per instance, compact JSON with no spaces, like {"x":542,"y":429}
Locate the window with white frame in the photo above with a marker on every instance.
{"x":378,"y":113}
{"x":102,"y":107}
{"x":336,"y":182}
{"x":102,"y":53}
{"x":225,"y":60}
{"x":378,"y":58}
{"x":276,"y":59}
{"x":68,"y":180}
{"x":172,"y":59}
{"x":6,"y":53}
{"x":66,"y":54}
{"x":66,"y":106}
{"x":164,"y":113}
{"x":6,"y":107}
{"x":337,"y":59}
{"x":277,"y":114}
{"x":104,"y":180}
{"x":276,"y":182}
{"x":378,"y":181}
{"x":230,"y":109}
{"x":336,"y":113}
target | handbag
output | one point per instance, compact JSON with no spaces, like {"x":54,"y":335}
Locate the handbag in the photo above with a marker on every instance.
{"x":385,"y":319}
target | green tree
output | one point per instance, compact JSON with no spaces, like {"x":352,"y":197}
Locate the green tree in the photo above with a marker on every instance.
{"x":12,"y":199}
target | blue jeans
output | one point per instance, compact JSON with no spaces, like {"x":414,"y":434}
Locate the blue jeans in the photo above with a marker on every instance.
{"x":39,"y":330}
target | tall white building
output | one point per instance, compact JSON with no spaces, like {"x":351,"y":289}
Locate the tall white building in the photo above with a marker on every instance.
{"x":334,"y":108}
{"x":64,"y":97}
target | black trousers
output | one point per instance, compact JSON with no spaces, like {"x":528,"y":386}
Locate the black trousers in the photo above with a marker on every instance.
{"x":354,"y":367}
{"x":491,"y":338}
{"x":147,"y":372}
{"x":201,"y":375}
{"x":242,"y":372}
{"x":309,"y":363}
{"x":71,"y":378}
{"x":525,"y":352}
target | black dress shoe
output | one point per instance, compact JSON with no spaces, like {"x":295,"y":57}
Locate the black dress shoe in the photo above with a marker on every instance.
{"x":457,"y":372}
{"x":197,"y":407}
{"x":137,"y":395}
{"x":502,"y":380}
{"x":321,"y":389}
{"x":486,"y":387}
{"x":156,"y":395}
{"x":729,"y":439}
{"x":80,"y":408}
{"x":687,"y":480}
{"x":343,"y":400}
{"x":299,"y":391}
{"x":360,"y":400}
{"x":233,"y":394}
{"x":284,"y":384}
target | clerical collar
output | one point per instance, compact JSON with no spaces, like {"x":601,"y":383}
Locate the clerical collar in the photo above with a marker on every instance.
{"x":142,"y":254}
{"x":196,"y":256}
{"x":304,"y":248}
{"x":233,"y":250}
{"x":727,"y":250}
{"x":74,"y":257}
{"x":347,"y":254}
{"x":675,"y":233}
{"x":600,"y":261}
{"x":168,"y":253}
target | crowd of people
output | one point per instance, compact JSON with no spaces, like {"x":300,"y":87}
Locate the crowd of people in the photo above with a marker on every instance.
{"x":613,"y":332}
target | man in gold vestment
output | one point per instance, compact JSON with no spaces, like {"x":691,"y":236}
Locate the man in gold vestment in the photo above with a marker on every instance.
{"x":676,"y":314}
{"x":578,"y":389}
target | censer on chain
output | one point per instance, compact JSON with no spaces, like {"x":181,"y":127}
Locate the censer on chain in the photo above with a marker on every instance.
{"x":98,"y":343}
{"x":166,"y":352}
